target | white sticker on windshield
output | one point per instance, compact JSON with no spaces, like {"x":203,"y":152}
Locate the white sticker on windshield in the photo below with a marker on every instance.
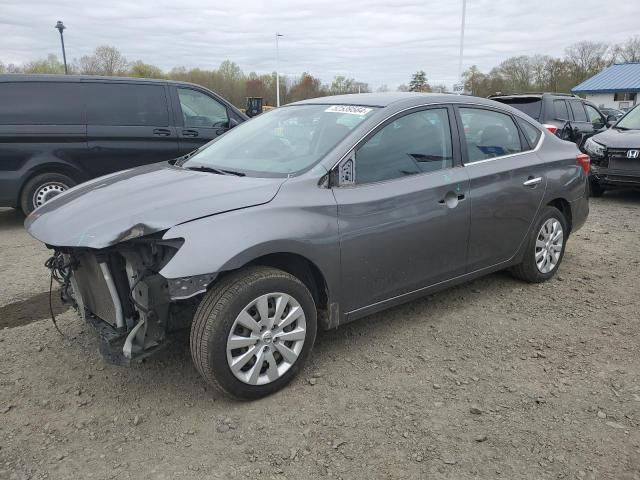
{"x":352,"y":109}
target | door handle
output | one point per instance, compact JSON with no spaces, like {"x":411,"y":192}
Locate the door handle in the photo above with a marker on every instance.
{"x":451,"y":199}
{"x":532,"y":182}
{"x":189,"y":133}
{"x":162,"y":132}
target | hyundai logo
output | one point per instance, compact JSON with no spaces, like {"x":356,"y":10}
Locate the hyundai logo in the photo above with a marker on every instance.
{"x":633,"y":153}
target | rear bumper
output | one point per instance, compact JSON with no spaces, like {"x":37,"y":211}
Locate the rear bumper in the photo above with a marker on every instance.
{"x":579,"y":212}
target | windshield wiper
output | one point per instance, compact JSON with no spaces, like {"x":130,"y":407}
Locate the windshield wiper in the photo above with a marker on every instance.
{"x":620,"y":128}
{"x":233,"y":172}
{"x":202,"y":168}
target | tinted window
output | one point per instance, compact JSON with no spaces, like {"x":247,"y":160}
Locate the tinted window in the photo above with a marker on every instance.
{"x":40,"y":103}
{"x":200,"y":110}
{"x":489,"y":134}
{"x":416,"y":143}
{"x":594,"y":116}
{"x":560,"y":110}
{"x":531,"y":106}
{"x":126,"y":104}
{"x":530,"y":132}
{"x":578,"y":111}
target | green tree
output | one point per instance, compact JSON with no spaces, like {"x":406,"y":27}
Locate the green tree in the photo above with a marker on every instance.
{"x":419,"y":82}
{"x":144,"y":70}
{"x":51,"y":64}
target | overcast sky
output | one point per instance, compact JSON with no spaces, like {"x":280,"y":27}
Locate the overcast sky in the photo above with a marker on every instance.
{"x":375,"y":41}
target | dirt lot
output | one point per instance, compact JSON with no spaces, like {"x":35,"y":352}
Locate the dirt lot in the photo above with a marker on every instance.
{"x":493,"y":379}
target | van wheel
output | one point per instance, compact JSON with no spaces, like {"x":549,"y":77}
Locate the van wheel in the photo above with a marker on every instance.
{"x":253,"y":331}
{"x":42,"y":188}
{"x":544,"y":248}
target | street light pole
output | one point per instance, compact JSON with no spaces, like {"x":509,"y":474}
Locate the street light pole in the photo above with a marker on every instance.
{"x":60,"y":27}
{"x":464,"y":12}
{"x":278,"y":70}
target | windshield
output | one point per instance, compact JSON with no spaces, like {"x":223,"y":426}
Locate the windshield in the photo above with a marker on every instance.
{"x":631,"y":121}
{"x":281,"y":142}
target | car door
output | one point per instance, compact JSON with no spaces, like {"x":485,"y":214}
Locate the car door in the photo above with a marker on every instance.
{"x":597,"y":119}
{"x":127,"y":126}
{"x":200,"y":117}
{"x":403,"y":212}
{"x":582,"y":126}
{"x":507,"y":183}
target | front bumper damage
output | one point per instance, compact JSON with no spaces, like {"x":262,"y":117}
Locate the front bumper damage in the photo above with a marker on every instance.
{"x":119,"y":292}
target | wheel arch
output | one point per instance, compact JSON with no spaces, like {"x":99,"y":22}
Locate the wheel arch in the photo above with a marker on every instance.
{"x":304,"y":270}
{"x":51,"y":167}
{"x":565,"y":208}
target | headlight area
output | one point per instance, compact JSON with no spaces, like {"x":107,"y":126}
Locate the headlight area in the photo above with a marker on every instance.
{"x":119,"y":291}
{"x":594,"y":148}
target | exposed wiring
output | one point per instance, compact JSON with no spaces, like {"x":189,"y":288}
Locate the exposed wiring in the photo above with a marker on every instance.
{"x":60,"y":272}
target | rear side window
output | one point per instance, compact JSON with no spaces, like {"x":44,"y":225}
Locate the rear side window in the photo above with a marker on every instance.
{"x":489,"y":134}
{"x":529,"y":105}
{"x":577,"y":108}
{"x":560,"y":110}
{"x":40,"y":103}
{"x":124,"y":104}
{"x":530,"y":132}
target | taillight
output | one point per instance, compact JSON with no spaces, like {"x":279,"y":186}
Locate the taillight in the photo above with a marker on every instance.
{"x":552,"y":128}
{"x":584,"y":161}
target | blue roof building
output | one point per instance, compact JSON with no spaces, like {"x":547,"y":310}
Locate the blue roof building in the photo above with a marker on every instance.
{"x":617,"y":86}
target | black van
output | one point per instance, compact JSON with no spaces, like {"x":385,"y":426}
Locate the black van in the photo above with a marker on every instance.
{"x":58,"y":130}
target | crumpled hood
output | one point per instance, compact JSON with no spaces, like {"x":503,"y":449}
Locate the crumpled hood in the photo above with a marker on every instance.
{"x":140,"y":201}
{"x":613,"y":138}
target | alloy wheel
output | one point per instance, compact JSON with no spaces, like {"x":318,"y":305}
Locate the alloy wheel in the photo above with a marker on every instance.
{"x":549,"y":245}
{"x":266,"y":338}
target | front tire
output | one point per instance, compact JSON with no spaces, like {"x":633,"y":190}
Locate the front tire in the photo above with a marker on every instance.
{"x":545,"y":247}
{"x":42,"y":188}
{"x":253,"y":332}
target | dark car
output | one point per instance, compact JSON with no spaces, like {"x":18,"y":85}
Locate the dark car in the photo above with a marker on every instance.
{"x":267,"y":234}
{"x":612,"y":114}
{"x":567,"y":116}
{"x":57,"y":130}
{"x":615,"y":155}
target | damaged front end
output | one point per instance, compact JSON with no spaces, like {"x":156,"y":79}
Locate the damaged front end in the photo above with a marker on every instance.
{"x":119,"y":291}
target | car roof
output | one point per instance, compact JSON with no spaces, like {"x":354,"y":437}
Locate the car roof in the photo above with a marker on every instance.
{"x":386,"y":99}
{"x":46,"y":77}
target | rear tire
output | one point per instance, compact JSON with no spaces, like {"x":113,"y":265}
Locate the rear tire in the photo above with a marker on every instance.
{"x":231,"y":312}
{"x":543,"y":255}
{"x":42,"y":188}
{"x":596,"y":189}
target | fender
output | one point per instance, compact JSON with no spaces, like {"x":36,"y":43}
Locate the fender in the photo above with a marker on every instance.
{"x":228,"y":241}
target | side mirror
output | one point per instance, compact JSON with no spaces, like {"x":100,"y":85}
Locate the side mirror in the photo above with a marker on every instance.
{"x":233,"y":123}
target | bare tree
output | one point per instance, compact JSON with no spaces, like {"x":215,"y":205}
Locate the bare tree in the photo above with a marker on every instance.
{"x":587,"y":58}
{"x":105,"y":60}
{"x":629,"y":51}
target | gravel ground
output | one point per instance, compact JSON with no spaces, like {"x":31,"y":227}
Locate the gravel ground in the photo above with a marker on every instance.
{"x":492,"y":379}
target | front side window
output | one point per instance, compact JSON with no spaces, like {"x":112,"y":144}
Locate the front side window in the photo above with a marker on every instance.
{"x":123,"y":104}
{"x":419,"y":142}
{"x":283,"y":141}
{"x":200,"y":110}
{"x":594,"y":116}
{"x":489,"y":134}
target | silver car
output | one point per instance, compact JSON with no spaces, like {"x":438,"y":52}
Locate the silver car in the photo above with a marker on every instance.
{"x":312,"y":215}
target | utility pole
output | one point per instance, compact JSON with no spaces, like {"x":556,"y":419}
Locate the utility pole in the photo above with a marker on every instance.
{"x":464,"y":13}
{"x":278,"y":70}
{"x":60,"y":27}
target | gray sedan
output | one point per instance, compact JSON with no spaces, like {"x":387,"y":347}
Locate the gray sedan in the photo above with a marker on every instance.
{"x":312,"y":215}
